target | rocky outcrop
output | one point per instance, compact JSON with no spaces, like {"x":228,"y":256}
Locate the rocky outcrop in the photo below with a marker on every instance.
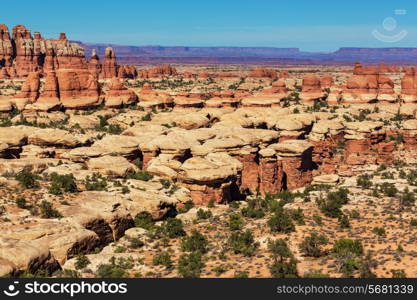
{"x":109,"y":69}
{"x":158,"y":72}
{"x":368,"y":85}
{"x":150,"y":98}
{"x":118,"y":95}
{"x":311,"y":89}
{"x":263,"y":73}
{"x":409,"y":85}
{"x":29,"y":91}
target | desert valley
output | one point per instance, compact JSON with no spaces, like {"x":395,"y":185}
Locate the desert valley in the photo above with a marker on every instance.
{"x":203,"y":170}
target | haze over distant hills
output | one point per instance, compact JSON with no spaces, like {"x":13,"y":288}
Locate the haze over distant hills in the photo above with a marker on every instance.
{"x":249,"y":55}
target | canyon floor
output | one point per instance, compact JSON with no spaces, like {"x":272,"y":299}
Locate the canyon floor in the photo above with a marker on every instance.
{"x":209,"y":176}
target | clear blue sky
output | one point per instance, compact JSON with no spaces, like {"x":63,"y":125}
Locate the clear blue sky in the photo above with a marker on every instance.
{"x":310,"y":25}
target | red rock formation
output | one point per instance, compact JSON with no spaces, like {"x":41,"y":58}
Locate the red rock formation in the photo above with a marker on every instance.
{"x":409,"y":85}
{"x":368,"y":85}
{"x":78,"y":89}
{"x":270,"y":174}
{"x":263,"y":73}
{"x":284,"y":74}
{"x":109,"y":65}
{"x":30,"y":88}
{"x":158,"y":72}
{"x":119,"y":95}
{"x":6,"y":51}
{"x":326,"y":81}
{"x":94,"y":65}
{"x":311,"y":89}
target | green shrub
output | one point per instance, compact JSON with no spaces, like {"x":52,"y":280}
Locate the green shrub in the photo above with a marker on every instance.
{"x":298,"y":216}
{"x":62,"y":183}
{"x":81,"y":262}
{"x":190,"y":265}
{"x":204,"y":214}
{"x":235,"y":222}
{"x":173,"y":228}
{"x":344,"y":221}
{"x":347,"y":247}
{"x":110,"y":271}
{"x":140,"y":175}
{"x":398,"y":274}
{"x":21,"y":203}
{"x":95,"y":182}
{"x":311,"y":245}
{"x":379,"y":231}
{"x":162,"y":259}
{"x":187,"y":206}
{"x":27,"y":179}
{"x":48,"y":211}
{"x":287,"y":269}
{"x":144,"y":220}
{"x":364,"y":181}
{"x":195,"y":242}
{"x":241,"y":274}
{"x":242,"y":243}
{"x":281,"y":222}
{"x":136,"y":243}
{"x":413,"y":222}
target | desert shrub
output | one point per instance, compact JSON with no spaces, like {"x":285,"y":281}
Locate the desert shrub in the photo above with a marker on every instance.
{"x":48,"y":211}
{"x":136,"y":243}
{"x":110,"y":271}
{"x":407,"y":198}
{"x":203,"y":214}
{"x":144,"y":220}
{"x":347,"y":246}
{"x":344,"y":221}
{"x":298,"y":216}
{"x":388,"y":189}
{"x":241,"y":274}
{"x":281,"y":222}
{"x":62,"y":183}
{"x":162,"y":259}
{"x":190,"y":265}
{"x":140,"y":175}
{"x":379,"y":231}
{"x":364,"y":181}
{"x":395,"y":273}
{"x":195,"y":242}
{"x":284,"y":265}
{"x":331,"y":206}
{"x":21,"y":203}
{"x":413,"y":222}
{"x":242,"y":243}
{"x":235,"y":222}
{"x":95,"y":182}
{"x":173,"y":228}
{"x":187,"y":206}
{"x":27,"y":179}
{"x":311,"y":245}
{"x":256,"y":208}
{"x":81,"y":262}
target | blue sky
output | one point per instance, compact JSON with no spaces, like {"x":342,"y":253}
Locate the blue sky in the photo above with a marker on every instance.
{"x":309,"y":25}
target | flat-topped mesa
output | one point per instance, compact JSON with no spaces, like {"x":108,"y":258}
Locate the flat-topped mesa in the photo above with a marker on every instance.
{"x":118,"y":95}
{"x":263,"y":73}
{"x":311,"y":89}
{"x":158,"y":72}
{"x":409,"y":85}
